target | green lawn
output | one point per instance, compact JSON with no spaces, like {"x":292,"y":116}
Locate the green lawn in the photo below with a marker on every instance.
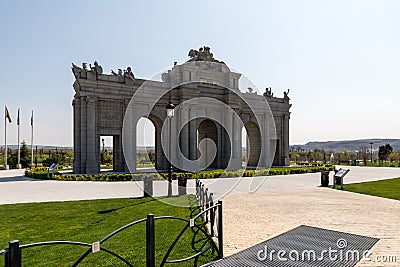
{"x":385,"y":188}
{"x":89,"y":221}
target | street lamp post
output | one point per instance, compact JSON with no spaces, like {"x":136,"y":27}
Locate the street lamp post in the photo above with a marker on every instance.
{"x":170,"y":113}
{"x":371,"y":151}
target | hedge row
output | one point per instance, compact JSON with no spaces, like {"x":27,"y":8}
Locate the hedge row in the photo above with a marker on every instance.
{"x":40,"y":174}
{"x":313,"y":164}
{"x":259,"y":172}
{"x":112,"y":177}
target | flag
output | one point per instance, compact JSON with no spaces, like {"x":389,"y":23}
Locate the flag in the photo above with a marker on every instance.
{"x":8,"y":115}
{"x":18,"y":118}
{"x":32,"y":119}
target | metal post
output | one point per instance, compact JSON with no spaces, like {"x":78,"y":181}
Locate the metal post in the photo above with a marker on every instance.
{"x":207,"y":205}
{"x":197,"y":188}
{"x":202,"y":197}
{"x":220,"y":232}
{"x":13,"y":255}
{"x":19,"y":145}
{"x":5,"y":139}
{"x":169,"y":162}
{"x":212,"y":215}
{"x":32,"y":141}
{"x":150,"y":241}
{"x":36,"y":156}
{"x":371,"y":152}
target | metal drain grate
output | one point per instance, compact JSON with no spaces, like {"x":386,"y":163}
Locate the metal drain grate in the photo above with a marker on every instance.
{"x":303,"y":246}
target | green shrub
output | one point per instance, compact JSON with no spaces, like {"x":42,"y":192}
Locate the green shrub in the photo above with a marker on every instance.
{"x":41,"y":173}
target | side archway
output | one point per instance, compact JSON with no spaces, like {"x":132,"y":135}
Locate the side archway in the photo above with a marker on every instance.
{"x":253,"y":143}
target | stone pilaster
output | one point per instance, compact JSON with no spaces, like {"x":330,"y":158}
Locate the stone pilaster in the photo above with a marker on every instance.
{"x":237,"y":127}
{"x":184,"y":134}
{"x":192,"y":136}
{"x":83,"y":134}
{"x":285,"y":139}
{"x":76,"y":103}
{"x":92,"y":136}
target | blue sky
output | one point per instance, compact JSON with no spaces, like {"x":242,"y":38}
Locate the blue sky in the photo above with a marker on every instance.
{"x":340,"y":59}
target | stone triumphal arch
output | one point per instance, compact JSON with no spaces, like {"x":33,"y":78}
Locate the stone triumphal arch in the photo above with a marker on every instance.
{"x":101,"y":102}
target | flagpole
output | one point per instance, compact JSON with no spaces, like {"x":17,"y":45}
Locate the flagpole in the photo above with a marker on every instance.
{"x":19,"y":146}
{"x":32,"y":140}
{"x":5,"y":138}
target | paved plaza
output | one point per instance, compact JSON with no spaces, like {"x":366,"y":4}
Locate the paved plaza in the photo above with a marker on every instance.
{"x":281,"y":203}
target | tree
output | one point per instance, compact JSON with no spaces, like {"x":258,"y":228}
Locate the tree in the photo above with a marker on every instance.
{"x":384,"y":151}
{"x":106,"y":157}
{"x":364,"y":154}
{"x":54,"y":158}
{"x":24,"y":154}
{"x":152,"y":156}
{"x":294,"y":156}
{"x":394,"y":156}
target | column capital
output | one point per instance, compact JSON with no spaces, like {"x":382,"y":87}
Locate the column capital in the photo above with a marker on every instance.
{"x":286,"y":116}
{"x":91,"y":99}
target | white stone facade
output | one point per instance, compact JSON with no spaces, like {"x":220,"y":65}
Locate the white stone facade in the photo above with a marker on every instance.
{"x":101,"y":102}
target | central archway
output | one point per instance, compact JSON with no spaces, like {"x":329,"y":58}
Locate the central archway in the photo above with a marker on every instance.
{"x":208,"y":129}
{"x":212,"y":130}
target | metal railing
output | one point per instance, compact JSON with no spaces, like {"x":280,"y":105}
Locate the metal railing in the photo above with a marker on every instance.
{"x":211,"y":213}
{"x":213,"y":217}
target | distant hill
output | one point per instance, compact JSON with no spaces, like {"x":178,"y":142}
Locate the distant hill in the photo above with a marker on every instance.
{"x":13,"y":146}
{"x":349,"y":145}
{"x":45,"y":147}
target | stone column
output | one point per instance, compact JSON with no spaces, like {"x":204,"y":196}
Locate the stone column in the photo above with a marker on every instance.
{"x":192,"y":136}
{"x":76,"y":103}
{"x":161,"y":160}
{"x":92,"y":138}
{"x":83,"y":134}
{"x":236,"y":143}
{"x":266,"y":140}
{"x":285,"y":139}
{"x":184,"y":134}
{"x":220,"y":148}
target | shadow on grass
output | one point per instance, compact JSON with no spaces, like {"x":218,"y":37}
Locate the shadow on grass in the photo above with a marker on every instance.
{"x":147,"y":200}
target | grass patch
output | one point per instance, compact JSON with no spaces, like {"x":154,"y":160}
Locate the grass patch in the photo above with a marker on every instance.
{"x":89,"y":221}
{"x":384,"y":188}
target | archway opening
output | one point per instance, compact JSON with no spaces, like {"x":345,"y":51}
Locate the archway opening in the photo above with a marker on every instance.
{"x":207,"y":129}
{"x":145,"y":144}
{"x":244,"y":147}
{"x":107,"y":161}
{"x":253,"y":144}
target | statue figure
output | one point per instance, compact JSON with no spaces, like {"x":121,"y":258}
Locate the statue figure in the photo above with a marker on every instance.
{"x":117,"y":74}
{"x":203,"y":54}
{"x":250,"y":91}
{"x":97,"y":68}
{"x":129,"y":74}
{"x":193,"y":54}
{"x":268,"y":92}
{"x":84,"y":66}
{"x":285,"y":95}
